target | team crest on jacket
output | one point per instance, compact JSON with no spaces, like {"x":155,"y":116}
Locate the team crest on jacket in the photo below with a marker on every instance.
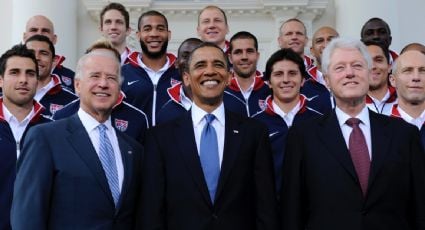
{"x":121,"y":125}
{"x":262,"y":104}
{"x":55,"y":107}
{"x":174,"y":82}
{"x":66,"y":80}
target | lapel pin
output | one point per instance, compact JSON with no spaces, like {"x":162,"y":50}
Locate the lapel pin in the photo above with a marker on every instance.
{"x":130,"y":152}
{"x":235,"y":131}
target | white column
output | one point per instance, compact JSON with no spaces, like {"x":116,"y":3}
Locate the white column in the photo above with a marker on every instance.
{"x":6,"y":24}
{"x":63,"y":14}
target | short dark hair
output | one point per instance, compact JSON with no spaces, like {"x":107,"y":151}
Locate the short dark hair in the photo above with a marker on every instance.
{"x":42,"y":38}
{"x":213,"y":7}
{"x":151,"y":13}
{"x":281,"y":55}
{"x":19,"y":50}
{"x":243,"y":35}
{"x":115,"y":6}
{"x":377,"y":20}
{"x":381,"y":45}
{"x":206,"y":44}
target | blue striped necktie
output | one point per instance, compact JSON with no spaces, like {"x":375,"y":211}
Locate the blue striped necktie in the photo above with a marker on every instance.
{"x":209,"y":155}
{"x":107,"y":157}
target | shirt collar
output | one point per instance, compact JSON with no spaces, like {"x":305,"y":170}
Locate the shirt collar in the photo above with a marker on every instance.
{"x":343,"y":117}
{"x":163,"y":68}
{"x":9,"y":117}
{"x":198,"y":114}
{"x":90,"y":123}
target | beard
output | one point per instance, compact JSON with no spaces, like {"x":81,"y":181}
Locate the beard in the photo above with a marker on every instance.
{"x":154,"y":55}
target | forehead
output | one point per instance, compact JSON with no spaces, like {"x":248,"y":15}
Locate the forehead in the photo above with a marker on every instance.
{"x":375,"y":50}
{"x":152,"y":20}
{"x":39,"y":22}
{"x":284,"y":65}
{"x":412,"y":58}
{"x":211,"y":13}
{"x":243,"y":42}
{"x":374,"y":25}
{"x":292,"y":26}
{"x":17,"y":62}
{"x":207,"y":54}
{"x":346,"y":55}
{"x":324,"y":32}
{"x":101,"y":63}
{"x":37,"y":45}
{"x":113,"y":14}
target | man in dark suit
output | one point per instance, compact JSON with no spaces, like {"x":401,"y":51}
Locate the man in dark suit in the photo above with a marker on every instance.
{"x":352,"y":168}
{"x":79,"y":172}
{"x":188,"y":186}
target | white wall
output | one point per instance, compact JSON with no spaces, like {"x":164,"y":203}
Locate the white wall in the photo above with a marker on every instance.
{"x":6,"y":25}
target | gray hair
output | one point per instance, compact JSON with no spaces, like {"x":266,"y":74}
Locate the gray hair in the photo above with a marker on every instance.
{"x":97,"y":52}
{"x":344,"y":43}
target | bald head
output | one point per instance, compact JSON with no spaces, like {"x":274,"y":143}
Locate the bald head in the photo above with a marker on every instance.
{"x":414,"y":46}
{"x":320,"y":40}
{"x":40,"y":24}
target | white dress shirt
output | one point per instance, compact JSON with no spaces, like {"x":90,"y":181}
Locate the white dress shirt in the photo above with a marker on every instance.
{"x":418,"y":122}
{"x":287,"y":117}
{"x":18,"y":128}
{"x":382,"y":106}
{"x":91,"y":124}
{"x":219,"y":123}
{"x":43,"y":90}
{"x":364,"y":126}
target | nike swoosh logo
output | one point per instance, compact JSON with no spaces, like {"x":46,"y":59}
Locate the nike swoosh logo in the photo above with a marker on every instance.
{"x":272,"y":134}
{"x":132,"y":82}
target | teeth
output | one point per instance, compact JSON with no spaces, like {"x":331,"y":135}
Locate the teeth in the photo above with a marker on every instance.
{"x":210,"y":83}
{"x":101,"y":94}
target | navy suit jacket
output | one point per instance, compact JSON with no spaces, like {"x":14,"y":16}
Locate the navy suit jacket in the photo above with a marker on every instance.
{"x":174,"y":191}
{"x":61,"y":184}
{"x":321,"y":189}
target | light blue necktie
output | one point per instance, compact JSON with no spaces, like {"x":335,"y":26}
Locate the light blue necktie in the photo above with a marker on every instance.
{"x":107,"y":157}
{"x":209,"y":155}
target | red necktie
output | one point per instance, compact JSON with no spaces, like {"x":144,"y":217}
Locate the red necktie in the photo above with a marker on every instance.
{"x":359,"y":153}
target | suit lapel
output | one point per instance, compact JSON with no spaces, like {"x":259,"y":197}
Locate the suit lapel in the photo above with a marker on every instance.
{"x":232,"y":143}
{"x":82,"y":145}
{"x":127,"y":159}
{"x":334,"y":140}
{"x":186,"y":140}
{"x":380,"y":143}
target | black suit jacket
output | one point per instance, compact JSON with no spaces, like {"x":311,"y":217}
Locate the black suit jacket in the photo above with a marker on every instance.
{"x":321,"y":189}
{"x":175,"y":194}
{"x":61,"y":184}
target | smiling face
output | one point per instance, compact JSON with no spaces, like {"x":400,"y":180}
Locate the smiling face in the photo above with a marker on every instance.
{"x":320,"y":40}
{"x":244,"y":57}
{"x":19,"y":82}
{"x":207,"y":77}
{"x":44,"y":57}
{"x":286,"y":81}
{"x":98,"y":85}
{"x":380,"y":68}
{"x":292,"y":35}
{"x":409,"y":79}
{"x":348,"y":76}
{"x":212,"y":26}
{"x":114,"y":27}
{"x":39,"y":24}
{"x":153,"y":35}
{"x":376,"y":30}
